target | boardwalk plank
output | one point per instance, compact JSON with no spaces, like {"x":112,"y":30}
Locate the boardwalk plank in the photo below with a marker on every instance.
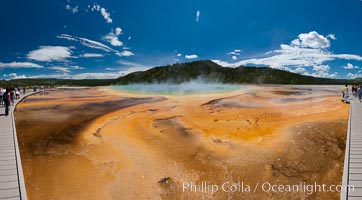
{"x":9,"y":185}
{"x":356,"y":157}
{"x":356,"y":193}
{"x":355,"y":177}
{"x":8,"y":162}
{"x":352,"y":172}
{"x":2,"y":155}
{"x":10,"y":193}
{"x":7,"y":172}
{"x":6,"y":167}
{"x":8,"y":178}
{"x":12,"y":184}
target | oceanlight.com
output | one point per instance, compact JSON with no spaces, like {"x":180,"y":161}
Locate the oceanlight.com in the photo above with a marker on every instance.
{"x":269,"y":187}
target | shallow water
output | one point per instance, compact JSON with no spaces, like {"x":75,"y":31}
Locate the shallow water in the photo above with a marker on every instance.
{"x":184,"y":88}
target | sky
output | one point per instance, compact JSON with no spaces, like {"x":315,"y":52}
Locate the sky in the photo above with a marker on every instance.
{"x":83,"y":39}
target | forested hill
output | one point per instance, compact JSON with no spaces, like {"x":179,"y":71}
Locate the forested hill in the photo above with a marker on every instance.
{"x":209,"y":71}
{"x":206,"y":70}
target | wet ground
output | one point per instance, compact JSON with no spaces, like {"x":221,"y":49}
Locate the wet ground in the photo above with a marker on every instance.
{"x":101,"y":144}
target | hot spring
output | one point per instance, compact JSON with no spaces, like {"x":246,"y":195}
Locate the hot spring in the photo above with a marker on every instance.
{"x":183,"y":88}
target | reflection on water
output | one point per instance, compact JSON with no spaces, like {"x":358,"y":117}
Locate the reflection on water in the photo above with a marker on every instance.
{"x":284,"y":100}
{"x":184,"y":88}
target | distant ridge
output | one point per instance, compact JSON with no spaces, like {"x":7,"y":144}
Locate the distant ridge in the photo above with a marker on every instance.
{"x":209,"y":71}
{"x":205,"y":70}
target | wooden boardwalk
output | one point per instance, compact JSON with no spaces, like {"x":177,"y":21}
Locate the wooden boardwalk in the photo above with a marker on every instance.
{"x":352,"y":173}
{"x":12,"y":185}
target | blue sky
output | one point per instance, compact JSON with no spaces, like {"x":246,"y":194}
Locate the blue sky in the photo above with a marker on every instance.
{"x":106,"y":39}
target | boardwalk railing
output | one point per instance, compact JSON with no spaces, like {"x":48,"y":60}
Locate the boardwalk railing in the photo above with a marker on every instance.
{"x":12,"y":184}
{"x":352,"y":171}
{"x":345,"y":179}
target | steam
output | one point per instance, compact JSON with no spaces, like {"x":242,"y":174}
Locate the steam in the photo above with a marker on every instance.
{"x":197,"y":86}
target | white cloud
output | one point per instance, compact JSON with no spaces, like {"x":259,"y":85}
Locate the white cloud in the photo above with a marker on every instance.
{"x":76,"y":67}
{"x":179,"y":55}
{"x":112,"y":37}
{"x":128,"y":67}
{"x":350,"y":66}
{"x":94,"y":44}
{"x":20,"y":65}
{"x":131,"y":70}
{"x":321,"y":68}
{"x":60,"y":69}
{"x":98,"y":75}
{"x":235,"y":52}
{"x":197,"y":16}
{"x":299,"y":70}
{"x":323,"y":71}
{"x":101,"y":75}
{"x":354,"y":75}
{"x":296,"y":55}
{"x":57,"y":75}
{"x":106,"y":15}
{"x":14,"y":76}
{"x":11,"y":74}
{"x":133,"y":64}
{"x":50,"y":53}
{"x":95,"y":7}
{"x":65,"y":70}
{"x":296,"y":42}
{"x":133,"y":67}
{"x":308,"y":50}
{"x":125,"y":53}
{"x":193,"y":56}
{"x":86,"y":42}
{"x":332,"y":36}
{"x":312,"y":40}
{"x":73,"y":9}
{"x":92,"y":55}
{"x":129,"y":37}
{"x":317,"y":71}
{"x":118,"y":31}
{"x":114,"y":41}
{"x":87,"y":75}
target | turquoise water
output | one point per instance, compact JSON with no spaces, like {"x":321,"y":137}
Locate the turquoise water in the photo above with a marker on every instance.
{"x":183,"y":88}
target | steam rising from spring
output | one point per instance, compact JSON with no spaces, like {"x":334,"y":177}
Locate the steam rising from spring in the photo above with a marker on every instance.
{"x":191,"y":87}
